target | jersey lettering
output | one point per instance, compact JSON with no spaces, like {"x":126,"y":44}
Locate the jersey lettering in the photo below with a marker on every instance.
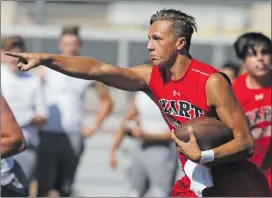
{"x":257,"y":116}
{"x":179,"y":108}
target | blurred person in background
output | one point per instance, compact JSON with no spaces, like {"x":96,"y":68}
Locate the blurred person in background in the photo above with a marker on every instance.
{"x":231,"y":69}
{"x":13,"y":180}
{"x":153,"y":168}
{"x":27,"y":105}
{"x":62,"y":137}
{"x":253,"y":91}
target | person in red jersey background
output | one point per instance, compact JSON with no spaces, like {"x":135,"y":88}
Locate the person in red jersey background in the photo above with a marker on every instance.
{"x":253,"y":91}
{"x":183,"y":88}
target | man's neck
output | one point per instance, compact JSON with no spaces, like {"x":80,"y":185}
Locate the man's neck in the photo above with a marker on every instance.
{"x":258,"y":82}
{"x":180,"y":67}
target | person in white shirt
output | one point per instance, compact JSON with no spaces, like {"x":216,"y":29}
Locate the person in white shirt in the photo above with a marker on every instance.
{"x":62,"y":136}
{"x":152,"y":171}
{"x":13,"y":180}
{"x":27,"y":104}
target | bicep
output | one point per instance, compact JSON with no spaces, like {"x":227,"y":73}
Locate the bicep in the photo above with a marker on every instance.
{"x":220,"y":96}
{"x":129,"y":79}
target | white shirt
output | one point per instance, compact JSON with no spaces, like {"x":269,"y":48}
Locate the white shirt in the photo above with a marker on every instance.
{"x":151,"y":120}
{"x":23,"y":92}
{"x":65,"y":97}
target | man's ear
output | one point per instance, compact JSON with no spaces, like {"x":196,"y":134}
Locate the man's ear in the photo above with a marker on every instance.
{"x":181,"y":43}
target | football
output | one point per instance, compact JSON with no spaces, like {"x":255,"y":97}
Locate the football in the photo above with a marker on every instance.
{"x":210,"y":132}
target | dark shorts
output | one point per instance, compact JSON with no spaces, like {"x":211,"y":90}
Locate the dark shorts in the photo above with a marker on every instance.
{"x":57,"y":162}
{"x":230,"y":180}
{"x":240,"y":180}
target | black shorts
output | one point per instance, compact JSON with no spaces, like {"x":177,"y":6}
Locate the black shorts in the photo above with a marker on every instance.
{"x":57,"y":162}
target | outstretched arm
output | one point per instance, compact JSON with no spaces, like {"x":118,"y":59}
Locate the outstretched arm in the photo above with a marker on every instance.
{"x":130,"y":79}
{"x":12,"y":139}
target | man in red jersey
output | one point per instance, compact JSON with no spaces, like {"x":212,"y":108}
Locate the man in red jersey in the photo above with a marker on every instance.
{"x":183,"y":88}
{"x":253,"y":91}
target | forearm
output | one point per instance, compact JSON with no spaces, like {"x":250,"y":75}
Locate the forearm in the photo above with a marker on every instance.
{"x":91,"y":69}
{"x":75,"y":66}
{"x":9,"y":147}
{"x":118,"y":137}
{"x":236,"y":150}
{"x":104,"y":111}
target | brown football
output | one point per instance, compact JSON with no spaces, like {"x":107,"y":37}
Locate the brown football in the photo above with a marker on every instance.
{"x":210,"y":132}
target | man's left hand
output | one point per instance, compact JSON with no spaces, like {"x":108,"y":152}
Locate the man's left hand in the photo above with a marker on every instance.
{"x":189,"y":149}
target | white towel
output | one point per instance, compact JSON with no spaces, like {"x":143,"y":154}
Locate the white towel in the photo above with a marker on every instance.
{"x":199,"y":175}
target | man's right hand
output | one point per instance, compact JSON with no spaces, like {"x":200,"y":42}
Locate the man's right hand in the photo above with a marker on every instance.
{"x":26,"y":61}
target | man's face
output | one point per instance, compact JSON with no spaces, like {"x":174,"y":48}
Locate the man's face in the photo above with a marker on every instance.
{"x":162,"y":45}
{"x":69,"y":45}
{"x":258,"y":62}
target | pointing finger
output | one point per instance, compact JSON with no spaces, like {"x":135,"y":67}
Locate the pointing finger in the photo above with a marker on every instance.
{"x":14,"y":54}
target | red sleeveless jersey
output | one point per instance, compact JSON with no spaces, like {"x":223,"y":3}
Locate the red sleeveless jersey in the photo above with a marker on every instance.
{"x":256,"y":104}
{"x":182,"y":100}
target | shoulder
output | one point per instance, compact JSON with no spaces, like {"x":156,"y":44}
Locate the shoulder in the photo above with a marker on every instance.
{"x":217,"y":79}
{"x":143,"y":72}
{"x":203,"y":68}
{"x":142,"y":68}
{"x":217,"y":83}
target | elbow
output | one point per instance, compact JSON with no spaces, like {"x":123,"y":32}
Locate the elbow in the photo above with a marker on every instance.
{"x":250,"y":147}
{"x":18,"y":144}
{"x":21,"y":144}
{"x":246,"y":146}
{"x":108,"y":105}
